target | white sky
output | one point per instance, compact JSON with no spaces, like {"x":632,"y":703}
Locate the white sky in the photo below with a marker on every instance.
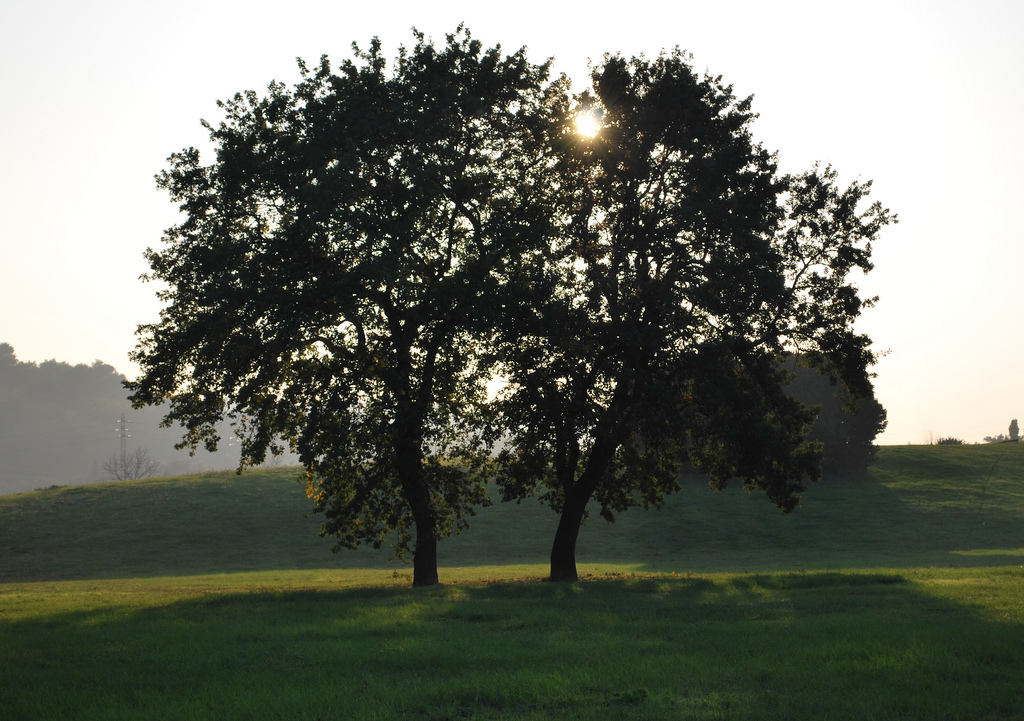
{"x":925,"y":98}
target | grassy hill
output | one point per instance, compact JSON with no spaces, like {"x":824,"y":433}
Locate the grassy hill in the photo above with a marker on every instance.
{"x":919,"y":506}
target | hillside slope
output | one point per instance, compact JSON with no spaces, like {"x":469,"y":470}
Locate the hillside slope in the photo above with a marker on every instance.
{"x":919,"y":506}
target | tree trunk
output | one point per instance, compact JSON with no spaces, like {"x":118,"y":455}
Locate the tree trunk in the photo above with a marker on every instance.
{"x":577,"y":495}
{"x":409,"y":464}
{"x":563,"y":550}
{"x":424,"y":558}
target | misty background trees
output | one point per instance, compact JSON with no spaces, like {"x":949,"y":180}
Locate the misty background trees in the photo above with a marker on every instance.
{"x":131,"y":465}
{"x":59,"y":426}
{"x":846,"y":427}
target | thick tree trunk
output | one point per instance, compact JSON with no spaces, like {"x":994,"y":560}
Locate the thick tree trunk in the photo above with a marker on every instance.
{"x":577,"y":495}
{"x":563,"y":550}
{"x":414,"y":486}
{"x":424,"y":559}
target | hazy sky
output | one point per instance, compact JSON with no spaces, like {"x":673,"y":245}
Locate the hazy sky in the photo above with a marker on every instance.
{"x":925,"y":98}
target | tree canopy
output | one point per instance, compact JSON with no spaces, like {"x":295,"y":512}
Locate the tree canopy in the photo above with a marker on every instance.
{"x":684,"y":270}
{"x":334,"y":276}
{"x":374,"y":245}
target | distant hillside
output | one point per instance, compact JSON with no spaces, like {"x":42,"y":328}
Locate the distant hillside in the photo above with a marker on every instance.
{"x":918,"y":506}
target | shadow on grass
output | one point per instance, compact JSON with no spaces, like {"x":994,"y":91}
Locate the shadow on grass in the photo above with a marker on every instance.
{"x":846,"y":645}
{"x":861,"y":522}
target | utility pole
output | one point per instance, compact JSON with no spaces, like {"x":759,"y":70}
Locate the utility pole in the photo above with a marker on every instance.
{"x":122,"y":432}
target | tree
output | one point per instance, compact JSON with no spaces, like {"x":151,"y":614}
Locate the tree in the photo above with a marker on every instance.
{"x":335,"y":275}
{"x":685,"y":270}
{"x":132,"y":466}
{"x":1013,"y":435}
{"x":846,"y":426}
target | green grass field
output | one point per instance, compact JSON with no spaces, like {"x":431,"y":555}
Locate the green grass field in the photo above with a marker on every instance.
{"x":897,"y":595}
{"x":921,"y":506}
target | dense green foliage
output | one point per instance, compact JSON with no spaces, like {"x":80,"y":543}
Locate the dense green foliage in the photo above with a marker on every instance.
{"x":332,"y":279}
{"x":684,"y":270}
{"x":373,"y":246}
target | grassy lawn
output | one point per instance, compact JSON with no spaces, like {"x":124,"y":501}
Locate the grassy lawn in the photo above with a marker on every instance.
{"x":919,"y":506}
{"x":939,"y":644}
{"x":211,"y":597}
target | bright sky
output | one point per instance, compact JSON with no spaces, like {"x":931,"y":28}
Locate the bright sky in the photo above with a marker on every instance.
{"x":925,"y":98}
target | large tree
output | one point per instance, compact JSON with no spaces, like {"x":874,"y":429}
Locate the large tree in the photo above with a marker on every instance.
{"x":652,"y":331}
{"x":335,"y":272}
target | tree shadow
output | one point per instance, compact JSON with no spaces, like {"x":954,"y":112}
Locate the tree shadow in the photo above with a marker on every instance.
{"x":853,"y":645}
{"x":859,"y":522}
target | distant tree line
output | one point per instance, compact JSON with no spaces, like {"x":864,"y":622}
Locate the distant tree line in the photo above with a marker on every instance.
{"x":58,"y":426}
{"x":1012,"y":435}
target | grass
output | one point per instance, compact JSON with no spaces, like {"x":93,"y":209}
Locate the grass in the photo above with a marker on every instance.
{"x":919,"y":506}
{"x":200,"y":524}
{"x":944,"y":643}
{"x":896,"y":595}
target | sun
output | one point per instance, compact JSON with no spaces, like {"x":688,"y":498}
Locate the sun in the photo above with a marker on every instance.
{"x":588,"y":124}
